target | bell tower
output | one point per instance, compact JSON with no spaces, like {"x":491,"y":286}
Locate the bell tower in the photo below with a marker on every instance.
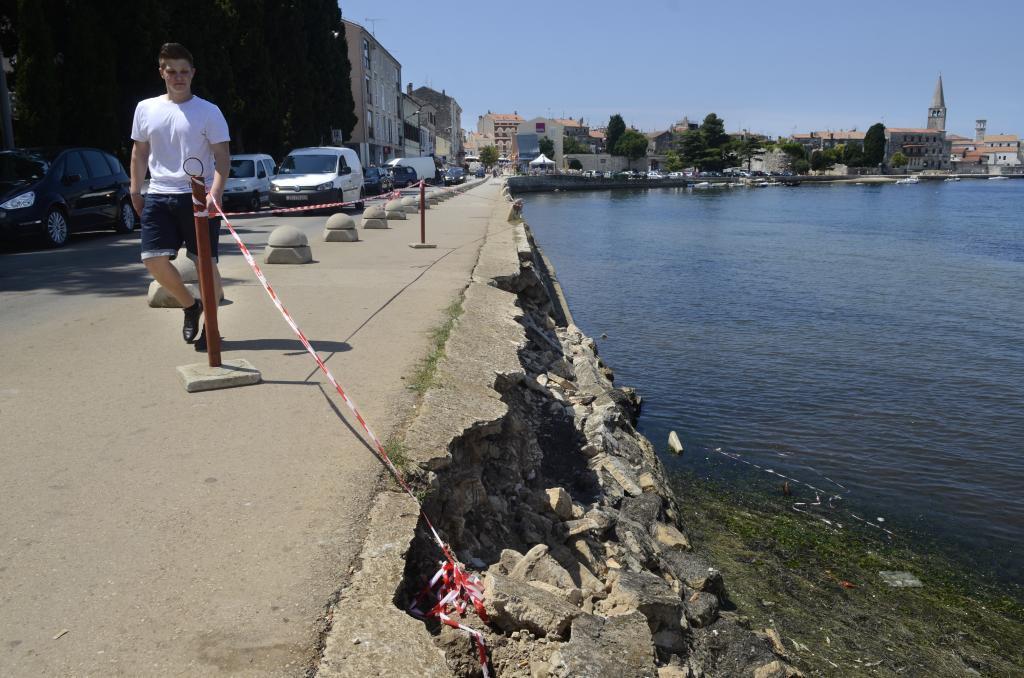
{"x":937,"y":112}
{"x":980,"y":126}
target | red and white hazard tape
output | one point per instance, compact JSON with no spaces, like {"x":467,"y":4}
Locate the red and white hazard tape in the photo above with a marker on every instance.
{"x":452,"y":587}
{"x":304,"y":208}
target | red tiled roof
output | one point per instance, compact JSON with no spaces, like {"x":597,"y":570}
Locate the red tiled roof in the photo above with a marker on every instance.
{"x":912,"y":130}
{"x":1001,"y":137}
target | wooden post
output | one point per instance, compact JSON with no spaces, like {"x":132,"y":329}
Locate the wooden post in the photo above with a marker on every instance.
{"x":423,"y":214}
{"x":207,"y":289}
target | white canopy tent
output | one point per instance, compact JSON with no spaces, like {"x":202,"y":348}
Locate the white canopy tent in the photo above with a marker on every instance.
{"x":541,"y":161}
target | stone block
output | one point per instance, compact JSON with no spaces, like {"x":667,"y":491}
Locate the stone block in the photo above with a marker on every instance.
{"x":674,"y":443}
{"x":369,"y":224}
{"x":701,"y":608}
{"x":201,"y":377}
{"x":619,"y":646}
{"x":287,"y":236}
{"x":374,"y":212}
{"x":692,"y":569}
{"x":648,"y":594}
{"x":515,"y":605}
{"x":560,"y":502}
{"x":158,"y":297}
{"x":670,"y":537}
{"x":539,"y":565}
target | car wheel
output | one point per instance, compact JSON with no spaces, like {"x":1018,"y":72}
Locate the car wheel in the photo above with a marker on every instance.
{"x":254,"y":202}
{"x":125,"y":218}
{"x":56,"y":227}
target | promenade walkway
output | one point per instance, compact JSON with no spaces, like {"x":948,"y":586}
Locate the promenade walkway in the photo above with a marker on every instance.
{"x":148,"y":531}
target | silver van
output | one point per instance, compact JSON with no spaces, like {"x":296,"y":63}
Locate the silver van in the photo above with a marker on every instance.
{"x":248,"y":184}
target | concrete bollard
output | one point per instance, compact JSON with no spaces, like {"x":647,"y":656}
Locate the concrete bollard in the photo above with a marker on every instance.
{"x":158,"y":297}
{"x":394,"y":210}
{"x":287,"y":245}
{"x":341,"y":228}
{"x":374,"y":217}
{"x":411,"y":205}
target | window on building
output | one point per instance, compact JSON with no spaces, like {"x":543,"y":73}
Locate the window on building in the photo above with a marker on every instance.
{"x":366,"y":54}
{"x":369,"y":91}
{"x":369,"y":124}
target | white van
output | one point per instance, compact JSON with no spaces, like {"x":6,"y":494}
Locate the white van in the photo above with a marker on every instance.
{"x":425,"y":168}
{"x":310,"y":176}
{"x":248,"y":184}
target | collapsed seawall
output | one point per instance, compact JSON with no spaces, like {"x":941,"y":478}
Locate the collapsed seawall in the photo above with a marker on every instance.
{"x":526,"y":458}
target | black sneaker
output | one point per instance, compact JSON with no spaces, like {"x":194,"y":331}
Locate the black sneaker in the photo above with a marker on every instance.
{"x":190,"y":328}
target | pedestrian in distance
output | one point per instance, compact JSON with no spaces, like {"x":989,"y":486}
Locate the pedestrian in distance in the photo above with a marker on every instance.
{"x":168,"y":130}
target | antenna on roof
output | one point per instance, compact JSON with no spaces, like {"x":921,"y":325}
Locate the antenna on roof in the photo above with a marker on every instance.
{"x":373,"y":28}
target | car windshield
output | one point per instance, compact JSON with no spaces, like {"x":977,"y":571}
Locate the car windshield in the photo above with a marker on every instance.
{"x":371,"y":173}
{"x":402,"y":169}
{"x":309,"y":164}
{"x":21,"y":167}
{"x":454,"y":172}
{"x":242,"y":169}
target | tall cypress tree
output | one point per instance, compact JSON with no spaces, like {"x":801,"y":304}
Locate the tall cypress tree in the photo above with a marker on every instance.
{"x":37,"y":90}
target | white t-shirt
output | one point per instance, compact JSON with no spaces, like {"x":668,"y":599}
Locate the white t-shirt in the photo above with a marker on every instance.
{"x":176,"y":132}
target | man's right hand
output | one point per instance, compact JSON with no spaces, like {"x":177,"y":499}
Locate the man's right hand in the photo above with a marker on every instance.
{"x":138,"y":202}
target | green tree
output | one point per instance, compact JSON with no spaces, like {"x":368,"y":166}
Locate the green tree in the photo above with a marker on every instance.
{"x":36,"y":84}
{"x":822,"y":160}
{"x":898,"y":160}
{"x":616,"y":128}
{"x":801,"y":166}
{"x":571,"y":144}
{"x":853,"y":156}
{"x":691,"y":147}
{"x":713,"y":131}
{"x":745,"y":149}
{"x":874,"y":145}
{"x":631,"y":144}
{"x":547,"y":147}
{"x":488,"y":155}
{"x":673,"y":163}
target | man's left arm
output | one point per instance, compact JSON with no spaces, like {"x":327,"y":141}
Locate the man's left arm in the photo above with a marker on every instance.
{"x":222,"y":166}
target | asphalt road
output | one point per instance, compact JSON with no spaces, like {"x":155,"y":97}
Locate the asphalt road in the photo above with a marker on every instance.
{"x":148,"y":531}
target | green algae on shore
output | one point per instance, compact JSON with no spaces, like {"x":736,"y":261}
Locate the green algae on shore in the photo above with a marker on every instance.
{"x":820,"y":589}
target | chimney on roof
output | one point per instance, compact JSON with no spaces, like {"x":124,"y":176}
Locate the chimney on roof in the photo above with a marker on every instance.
{"x":442,"y":92}
{"x":408,"y":88}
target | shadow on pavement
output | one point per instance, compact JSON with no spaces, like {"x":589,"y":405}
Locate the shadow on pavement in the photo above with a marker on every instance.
{"x":292,"y":346}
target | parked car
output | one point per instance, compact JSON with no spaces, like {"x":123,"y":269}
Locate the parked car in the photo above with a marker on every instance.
{"x":677,"y":175}
{"x":376,"y":180}
{"x":654,"y":174}
{"x":454,"y":175}
{"x":324,"y":174}
{"x":53,"y":191}
{"x":480,"y":172}
{"x":248,"y":184}
{"x":425,"y":167}
{"x":403,"y":176}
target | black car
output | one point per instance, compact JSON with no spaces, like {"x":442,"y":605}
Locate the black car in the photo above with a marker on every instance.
{"x":53,"y":191}
{"x":454,"y":175}
{"x":376,"y":181}
{"x":402,"y":176}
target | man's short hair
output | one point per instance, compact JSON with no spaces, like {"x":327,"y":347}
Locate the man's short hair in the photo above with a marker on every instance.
{"x":174,"y":50}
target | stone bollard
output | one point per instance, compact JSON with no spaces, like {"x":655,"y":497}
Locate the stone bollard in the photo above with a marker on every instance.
{"x":394,"y":210}
{"x":432,"y":198}
{"x":411,"y":205}
{"x":158,"y":297}
{"x":374,"y":217}
{"x":341,"y":228}
{"x":287,"y":245}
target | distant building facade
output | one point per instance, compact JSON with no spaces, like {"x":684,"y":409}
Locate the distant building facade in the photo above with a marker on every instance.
{"x":502,"y":128}
{"x":925,"y":148}
{"x":418,"y":122}
{"x":377,"y":92}
{"x":449,"y":122}
{"x":540,"y":128}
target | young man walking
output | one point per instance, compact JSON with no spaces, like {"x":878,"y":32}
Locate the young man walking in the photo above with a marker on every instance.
{"x":167,"y":130}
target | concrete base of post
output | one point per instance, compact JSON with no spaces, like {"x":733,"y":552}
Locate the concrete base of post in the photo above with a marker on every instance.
{"x":422,"y":245}
{"x":201,"y":377}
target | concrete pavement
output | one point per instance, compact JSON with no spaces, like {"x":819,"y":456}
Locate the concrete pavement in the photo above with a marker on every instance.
{"x":201,"y":534}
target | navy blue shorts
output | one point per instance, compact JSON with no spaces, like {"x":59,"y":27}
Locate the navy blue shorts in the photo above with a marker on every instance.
{"x":167,"y":224}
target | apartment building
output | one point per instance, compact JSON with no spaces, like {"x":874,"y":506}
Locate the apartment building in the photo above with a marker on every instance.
{"x":377,"y":91}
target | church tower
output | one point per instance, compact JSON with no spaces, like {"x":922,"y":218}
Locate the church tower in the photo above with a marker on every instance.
{"x":937,"y":112}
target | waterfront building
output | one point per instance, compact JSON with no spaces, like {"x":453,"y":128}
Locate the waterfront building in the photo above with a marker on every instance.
{"x":542,"y":127}
{"x":925,"y":148}
{"x":502,"y":127}
{"x":377,"y":93}
{"x":449,"y":122}
{"x":659,"y":142}
{"x":475,"y":141}
{"x":575,"y":129}
{"x":596,"y":140}
{"x":826,"y":139}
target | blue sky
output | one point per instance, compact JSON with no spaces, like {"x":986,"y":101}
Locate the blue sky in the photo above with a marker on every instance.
{"x":775,"y":67}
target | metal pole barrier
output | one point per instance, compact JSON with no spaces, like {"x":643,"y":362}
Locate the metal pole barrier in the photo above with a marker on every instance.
{"x":206,"y":286}
{"x":423,"y":214}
